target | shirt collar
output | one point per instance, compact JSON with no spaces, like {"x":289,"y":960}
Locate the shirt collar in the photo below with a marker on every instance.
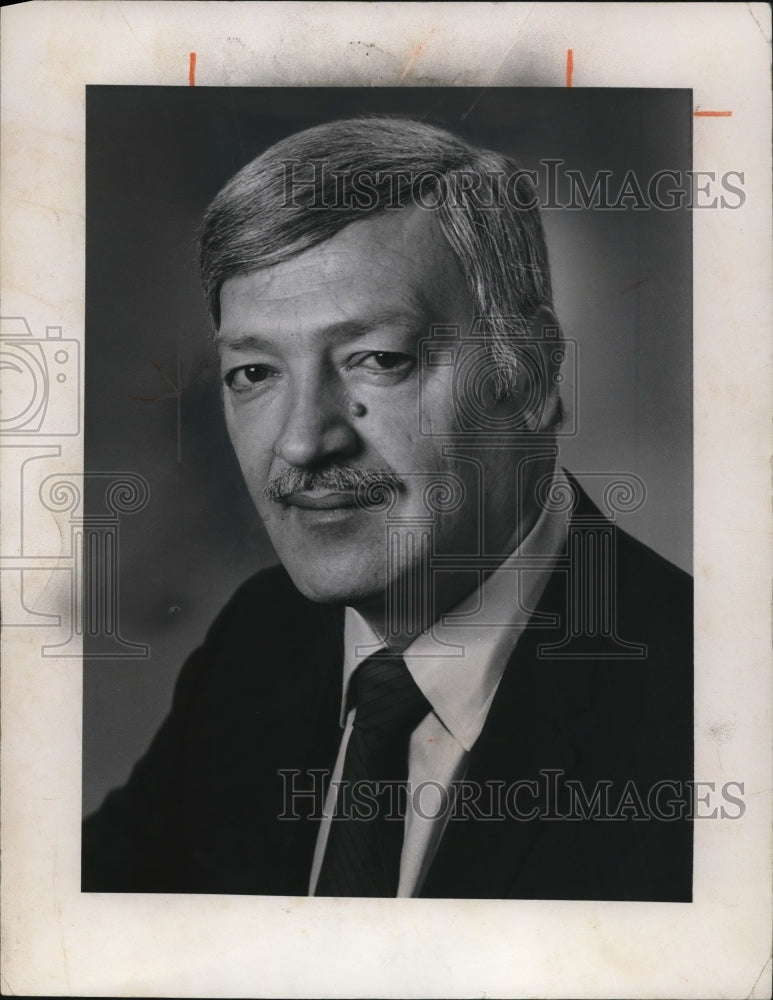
{"x":459,"y":662}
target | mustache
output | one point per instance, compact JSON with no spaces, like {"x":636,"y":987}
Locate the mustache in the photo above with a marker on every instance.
{"x":337,"y":478}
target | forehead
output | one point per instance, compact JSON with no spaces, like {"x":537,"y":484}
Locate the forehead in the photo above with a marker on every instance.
{"x":395,"y":262}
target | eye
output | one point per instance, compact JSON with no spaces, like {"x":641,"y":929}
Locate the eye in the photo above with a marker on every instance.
{"x":382,"y":362}
{"x":248,"y":377}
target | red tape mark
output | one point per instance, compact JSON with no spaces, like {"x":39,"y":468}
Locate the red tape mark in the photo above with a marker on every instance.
{"x":569,"y":66}
{"x":192,"y":70}
{"x":712,"y":114}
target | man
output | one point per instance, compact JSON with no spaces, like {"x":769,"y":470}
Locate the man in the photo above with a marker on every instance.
{"x":463,"y":680}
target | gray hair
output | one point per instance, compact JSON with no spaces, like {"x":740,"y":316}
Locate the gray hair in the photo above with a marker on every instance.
{"x":307,"y":187}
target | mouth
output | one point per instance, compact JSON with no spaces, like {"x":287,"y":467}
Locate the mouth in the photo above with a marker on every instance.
{"x":321,"y":500}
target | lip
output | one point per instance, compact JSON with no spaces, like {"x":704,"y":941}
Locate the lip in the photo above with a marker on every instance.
{"x":321,"y":501}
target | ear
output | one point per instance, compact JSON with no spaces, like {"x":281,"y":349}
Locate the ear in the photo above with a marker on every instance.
{"x":536,"y":397}
{"x":547,"y":342}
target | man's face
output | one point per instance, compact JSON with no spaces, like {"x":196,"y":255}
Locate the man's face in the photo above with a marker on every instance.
{"x":320,"y":366}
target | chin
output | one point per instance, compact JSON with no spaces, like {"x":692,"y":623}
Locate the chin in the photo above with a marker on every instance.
{"x":335,"y":587}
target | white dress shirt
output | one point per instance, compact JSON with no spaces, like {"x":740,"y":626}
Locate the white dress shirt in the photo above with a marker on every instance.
{"x":457,"y":664}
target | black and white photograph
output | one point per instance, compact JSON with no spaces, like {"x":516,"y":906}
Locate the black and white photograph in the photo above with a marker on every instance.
{"x":386,"y":522}
{"x":358,"y":425}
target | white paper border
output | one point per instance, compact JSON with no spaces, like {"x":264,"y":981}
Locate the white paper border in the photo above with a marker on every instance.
{"x":57,"y":941}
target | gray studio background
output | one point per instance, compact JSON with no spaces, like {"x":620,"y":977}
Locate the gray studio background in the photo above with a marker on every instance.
{"x":155,"y":157}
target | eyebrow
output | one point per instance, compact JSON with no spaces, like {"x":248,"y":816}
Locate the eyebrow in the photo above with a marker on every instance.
{"x":343,"y":330}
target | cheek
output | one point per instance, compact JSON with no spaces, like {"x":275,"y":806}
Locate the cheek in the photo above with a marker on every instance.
{"x":234,"y":427}
{"x":437,"y":412}
{"x":252,"y":447}
{"x":410,"y":453}
{"x":413,"y":431}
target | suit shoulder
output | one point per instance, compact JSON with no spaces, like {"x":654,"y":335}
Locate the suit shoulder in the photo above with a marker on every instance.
{"x":269,"y":605}
{"x":269,"y":592}
{"x":654,"y":606}
{"x":650,"y":572}
{"x":640,"y":567}
{"x":272,"y":585}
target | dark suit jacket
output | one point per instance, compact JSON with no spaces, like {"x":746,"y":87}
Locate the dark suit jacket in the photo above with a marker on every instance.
{"x":261,"y":696}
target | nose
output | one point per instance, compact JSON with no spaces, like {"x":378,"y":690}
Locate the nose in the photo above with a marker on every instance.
{"x":317,"y":429}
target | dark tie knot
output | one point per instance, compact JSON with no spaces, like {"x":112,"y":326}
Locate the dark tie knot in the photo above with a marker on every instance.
{"x":387,"y":698}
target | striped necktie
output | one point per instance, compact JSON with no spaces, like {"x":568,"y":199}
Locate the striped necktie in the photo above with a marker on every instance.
{"x":362,"y":857}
